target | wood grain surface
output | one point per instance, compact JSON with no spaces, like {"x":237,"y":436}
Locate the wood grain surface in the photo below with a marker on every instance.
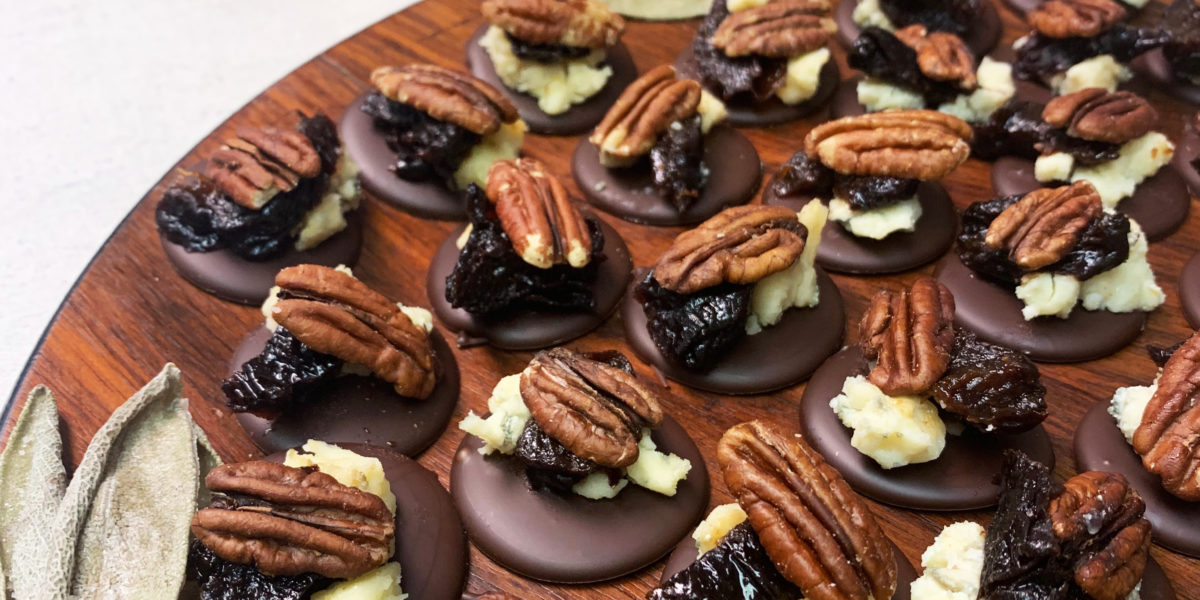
{"x":129,"y":312}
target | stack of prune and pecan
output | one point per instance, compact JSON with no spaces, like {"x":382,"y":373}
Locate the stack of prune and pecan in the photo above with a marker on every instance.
{"x":875,"y":160}
{"x":432,"y":117}
{"x":275,"y":532}
{"x":1167,"y":438}
{"x":529,"y":246}
{"x":697,"y":296}
{"x":807,"y":535}
{"x":658,"y":117}
{"x":935,"y":64}
{"x":549,"y":31}
{"x":1181,"y":21}
{"x":1067,"y":32}
{"x":916,"y":349}
{"x":1062,"y":230}
{"x":254,"y":192}
{"x":327,"y":320}
{"x":743,"y":56}
{"x":1085,"y":539}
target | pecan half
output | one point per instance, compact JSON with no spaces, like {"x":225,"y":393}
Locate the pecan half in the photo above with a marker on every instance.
{"x":818,"y":532}
{"x":577,"y":23}
{"x":644,"y":111}
{"x":446,"y":95}
{"x":779,"y":29}
{"x":911,"y":144}
{"x":1098,"y":520}
{"x":910,"y":334}
{"x":941,"y":56}
{"x":593,"y":408}
{"x":258,"y":164}
{"x":288,"y":521}
{"x":1168,"y":437}
{"x":334,"y":313}
{"x":1101,"y":116}
{"x":738,"y":245}
{"x":1075,"y":18}
{"x":545,"y":227}
{"x":1041,"y":227}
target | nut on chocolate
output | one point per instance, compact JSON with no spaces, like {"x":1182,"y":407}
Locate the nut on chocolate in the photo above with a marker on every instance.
{"x":545,"y":227}
{"x":643,"y":112}
{"x":1168,"y":439}
{"x":446,"y":95}
{"x":1099,"y":519}
{"x":1075,"y":18}
{"x":576,"y":23}
{"x":941,"y":56}
{"x":739,"y":245}
{"x":817,"y":531}
{"x":910,"y":335}
{"x":336,"y":314}
{"x":779,"y":29}
{"x":1039,"y":229}
{"x":259,"y":163}
{"x":910,"y":144}
{"x":1098,"y":115}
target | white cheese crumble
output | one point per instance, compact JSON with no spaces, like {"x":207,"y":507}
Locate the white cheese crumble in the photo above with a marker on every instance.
{"x":348,"y":468}
{"x":953,"y":564}
{"x":740,"y":5}
{"x":1053,"y":167}
{"x":876,"y":223}
{"x":996,"y":87}
{"x":867,"y":13}
{"x":655,"y":470}
{"x":803,"y":76}
{"x":502,"y":428}
{"x":1128,"y":405}
{"x":892,"y":430}
{"x":381,"y":583}
{"x":1047,"y":294}
{"x":795,"y":286}
{"x":327,"y":217}
{"x":557,"y":85}
{"x":1138,"y":160}
{"x":711,"y":111}
{"x":716,"y":526}
{"x":1098,"y":71}
{"x":504,"y":143}
{"x":660,"y":10}
{"x":598,"y":487}
{"x":878,"y":95}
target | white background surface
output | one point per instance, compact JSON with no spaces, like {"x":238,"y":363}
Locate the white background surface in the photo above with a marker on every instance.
{"x":100,"y":97}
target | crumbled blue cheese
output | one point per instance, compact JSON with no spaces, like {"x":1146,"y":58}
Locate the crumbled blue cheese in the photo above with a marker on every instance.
{"x":655,"y":470}
{"x":795,"y":286}
{"x":1128,"y":404}
{"x":327,"y":217}
{"x":876,"y":223}
{"x":716,"y":526}
{"x":803,"y":76}
{"x":892,"y":430}
{"x":878,"y":95}
{"x":509,"y":415}
{"x":598,"y":486}
{"x":660,"y":10}
{"x":382,"y":583}
{"x":558,"y":85}
{"x":1138,"y":160}
{"x":867,"y":13}
{"x":1047,"y":294}
{"x":503,"y":144}
{"x":740,"y":5}
{"x":711,"y":111}
{"x":1098,"y":71}
{"x":996,"y":88}
{"x":348,"y":468}
{"x":953,"y":564}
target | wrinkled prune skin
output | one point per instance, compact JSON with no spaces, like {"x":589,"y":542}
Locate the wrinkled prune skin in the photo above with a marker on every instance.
{"x":1182,"y":22}
{"x":220,"y":579}
{"x":1014,"y":129}
{"x":1085,"y":152}
{"x":1161,"y":354}
{"x":282,"y":376}
{"x":194,"y":214}
{"x":694,"y":330}
{"x":490,"y":279}
{"x":973,"y":250}
{"x":426,"y":148}
{"x":549,"y":464}
{"x":992,"y":388}
{"x":545,"y":53}
{"x":865,"y":193}
{"x":738,"y":567}
{"x":880,"y":54}
{"x":676,"y":158}
{"x":802,"y":175}
{"x":952,"y":16}
{"x":1103,"y":245}
{"x":753,"y":78}
{"x":1041,"y":57}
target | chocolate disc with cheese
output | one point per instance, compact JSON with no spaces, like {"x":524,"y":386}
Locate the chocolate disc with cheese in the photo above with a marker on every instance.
{"x":845,"y":101}
{"x":981,"y":39}
{"x":1187,"y":156}
{"x":1154,"y":66}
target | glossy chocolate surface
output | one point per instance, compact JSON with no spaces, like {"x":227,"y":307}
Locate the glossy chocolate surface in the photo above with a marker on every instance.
{"x":1189,"y":290}
{"x":1155,"y":67}
{"x":1187,"y":149}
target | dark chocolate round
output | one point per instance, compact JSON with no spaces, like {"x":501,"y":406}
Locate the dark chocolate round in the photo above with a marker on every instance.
{"x":566,"y":538}
{"x":773,"y":111}
{"x":845,"y":100}
{"x":685,"y":554}
{"x":426,"y":199}
{"x":959,"y":479}
{"x":994,"y":313}
{"x":777,"y":357}
{"x":843,"y":252}
{"x":629,"y":193}
{"x":430,"y":544}
{"x":357,"y":409}
{"x":577,"y":119}
{"x":1187,"y":149}
{"x":231,"y":277}
{"x":984,"y":33}
{"x":531,"y":329}
{"x":1159,"y":204}
{"x":1189,"y":290}
{"x":1156,"y":68}
{"x":1100,"y":446}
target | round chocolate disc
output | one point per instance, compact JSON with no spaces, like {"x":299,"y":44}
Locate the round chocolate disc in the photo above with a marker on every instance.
{"x":577,"y":119}
{"x":1155,"y":67}
{"x":1187,"y":149}
{"x":843,"y":252}
{"x":1100,"y":446}
{"x":1189,"y":290}
{"x":357,"y":409}
{"x":231,"y":277}
{"x":530,"y":329}
{"x":430,"y":545}
{"x":773,"y":111}
{"x":685,"y":554}
{"x":959,"y":479}
{"x":845,"y":101}
{"x":1159,"y":204}
{"x":777,"y":357}
{"x":984,"y":33}
{"x":629,"y":193}
{"x":566,"y":538}
{"x":993,"y":312}
{"x":426,"y":199}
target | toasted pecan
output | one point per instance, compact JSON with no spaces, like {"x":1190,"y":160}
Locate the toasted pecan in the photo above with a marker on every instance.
{"x":644,"y":111}
{"x":1039,"y":229}
{"x":1075,"y":18}
{"x":912,"y":144}
{"x":545,"y":227}
{"x":576,"y":23}
{"x":1168,"y":438}
{"x":778,"y":29}
{"x":941,"y":56}
{"x":1098,"y":115}
{"x":910,"y":335}
{"x":446,"y":95}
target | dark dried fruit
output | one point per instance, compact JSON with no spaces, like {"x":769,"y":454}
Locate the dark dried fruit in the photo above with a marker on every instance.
{"x":992,"y":388}
{"x":952,"y":16}
{"x":866,"y":193}
{"x":1161,"y":354}
{"x":488,"y":262}
{"x":738,"y":567}
{"x":1014,"y":129}
{"x":1182,"y":21}
{"x":752,"y":78}
{"x":1085,"y":152}
{"x":1041,"y":57}
{"x":545,"y":53}
{"x":676,"y":158}
{"x":881,"y":55}
{"x":283,"y":375}
{"x":220,"y":579}
{"x":802,"y":175}
{"x":426,"y":148}
{"x":694,"y":330}
{"x":549,"y":464}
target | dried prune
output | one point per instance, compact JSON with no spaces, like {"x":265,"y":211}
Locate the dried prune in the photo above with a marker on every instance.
{"x":1042,"y":57}
{"x":679,"y":172}
{"x":220,"y":579}
{"x":750,"y":77}
{"x":426,"y":148}
{"x":545,"y":53}
{"x":694,"y":330}
{"x":991,"y":387}
{"x":865,"y":192}
{"x":882,"y":55}
{"x":973,"y":250}
{"x":738,"y":567}
{"x":1102,"y":245}
{"x":490,"y":278}
{"x":320,"y":130}
{"x":1161,"y":354}
{"x":802,"y":175}
{"x":953,"y":16}
{"x":1014,"y":129}
{"x":1182,"y":22}
{"x":549,"y":464}
{"x":283,"y":375}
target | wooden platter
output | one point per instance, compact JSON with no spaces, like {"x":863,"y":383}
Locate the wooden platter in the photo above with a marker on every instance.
{"x":129,"y":312}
